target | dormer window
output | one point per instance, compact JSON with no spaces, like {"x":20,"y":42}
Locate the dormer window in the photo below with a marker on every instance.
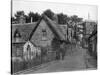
{"x":17,"y":36}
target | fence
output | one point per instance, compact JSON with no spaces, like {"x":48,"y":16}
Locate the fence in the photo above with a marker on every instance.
{"x":23,"y":65}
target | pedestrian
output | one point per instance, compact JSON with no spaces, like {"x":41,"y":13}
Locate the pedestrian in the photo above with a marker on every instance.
{"x":62,"y":50}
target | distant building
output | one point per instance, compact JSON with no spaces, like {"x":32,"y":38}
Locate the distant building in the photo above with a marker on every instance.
{"x":68,"y":32}
{"x":85,"y":29}
{"x":92,"y":44}
{"x":90,"y":27}
{"x":80,"y":32}
{"x":64,"y":29}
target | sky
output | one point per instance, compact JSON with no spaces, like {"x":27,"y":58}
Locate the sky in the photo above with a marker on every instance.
{"x":87,"y":12}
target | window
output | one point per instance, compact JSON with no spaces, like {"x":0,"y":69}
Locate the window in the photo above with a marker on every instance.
{"x":17,"y":34}
{"x":44,"y":35}
{"x":44,"y":32}
{"x":28,"y":48}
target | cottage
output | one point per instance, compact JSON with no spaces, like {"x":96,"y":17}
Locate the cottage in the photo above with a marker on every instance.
{"x":20,"y":35}
{"x":90,"y":26}
{"x":32,"y":35}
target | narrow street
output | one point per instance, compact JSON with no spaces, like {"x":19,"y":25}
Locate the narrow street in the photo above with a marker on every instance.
{"x":75,"y":59}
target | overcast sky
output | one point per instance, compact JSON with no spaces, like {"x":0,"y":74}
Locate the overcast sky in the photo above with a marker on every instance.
{"x":69,"y":9}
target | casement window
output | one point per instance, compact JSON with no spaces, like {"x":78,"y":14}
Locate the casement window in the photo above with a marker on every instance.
{"x":44,"y":34}
{"x":17,"y":34}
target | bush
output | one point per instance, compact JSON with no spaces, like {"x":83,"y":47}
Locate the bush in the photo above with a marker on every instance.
{"x":23,"y":65}
{"x":18,"y":66}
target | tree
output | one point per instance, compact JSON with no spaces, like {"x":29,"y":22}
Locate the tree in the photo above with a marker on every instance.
{"x":76,"y":19}
{"x":18,"y":14}
{"x":49,"y":14}
{"x":62,"y":18}
{"x":13,"y":19}
{"x":35,"y":17}
{"x":27,"y":18}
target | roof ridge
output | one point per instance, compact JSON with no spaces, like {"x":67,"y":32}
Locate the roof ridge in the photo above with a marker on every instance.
{"x":55,"y":26}
{"x":51,"y":24}
{"x":23,"y":24}
{"x":30,"y":36}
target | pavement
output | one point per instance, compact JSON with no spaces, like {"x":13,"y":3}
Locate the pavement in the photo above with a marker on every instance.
{"x":75,"y":59}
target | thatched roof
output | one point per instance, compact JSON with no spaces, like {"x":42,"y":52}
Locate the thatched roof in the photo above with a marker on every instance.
{"x":27,"y":30}
{"x":24,"y":30}
{"x":64,"y":28}
{"x":56,"y":29}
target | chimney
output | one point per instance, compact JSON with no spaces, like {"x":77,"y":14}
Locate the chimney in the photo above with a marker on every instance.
{"x":31,"y":19}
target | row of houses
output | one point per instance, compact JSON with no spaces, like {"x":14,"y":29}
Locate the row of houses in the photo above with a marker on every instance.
{"x":27,"y":37}
{"x":92,"y":44}
{"x":89,"y":40}
{"x":42,"y":33}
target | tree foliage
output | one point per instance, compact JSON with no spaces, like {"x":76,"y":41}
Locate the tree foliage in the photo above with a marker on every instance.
{"x":13,"y":18}
{"x":76,"y":19}
{"x":18,"y":14}
{"x":49,"y":14}
{"x":61,"y":18}
{"x":35,"y":16}
{"x":32,"y":16}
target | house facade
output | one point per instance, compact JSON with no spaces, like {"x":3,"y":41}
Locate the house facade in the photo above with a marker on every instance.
{"x":92,"y":44}
{"x":28,"y":36}
{"x":43,"y":35}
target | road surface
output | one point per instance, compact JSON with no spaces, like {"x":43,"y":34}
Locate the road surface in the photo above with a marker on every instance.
{"x":75,"y":59}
